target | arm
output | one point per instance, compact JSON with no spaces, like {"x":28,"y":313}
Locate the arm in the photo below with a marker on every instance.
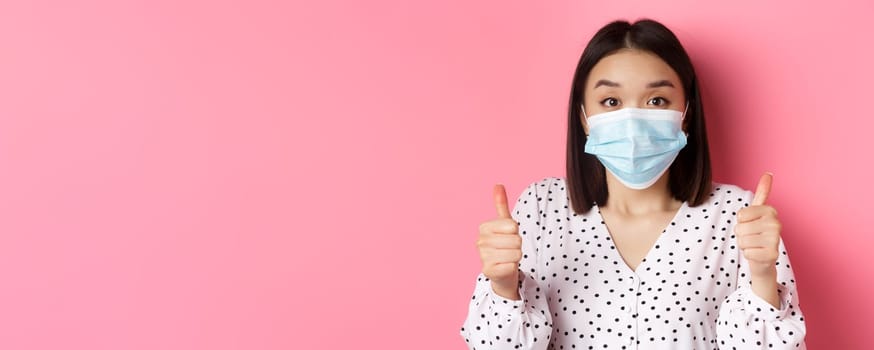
{"x":496,"y":322}
{"x":763,"y":313}
{"x":748,"y":321}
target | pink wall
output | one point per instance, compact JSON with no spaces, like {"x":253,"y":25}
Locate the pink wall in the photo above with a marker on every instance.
{"x":259,"y":175}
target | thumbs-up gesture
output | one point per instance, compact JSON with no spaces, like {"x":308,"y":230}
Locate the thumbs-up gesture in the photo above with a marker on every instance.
{"x":758,"y":231}
{"x":500,"y":248}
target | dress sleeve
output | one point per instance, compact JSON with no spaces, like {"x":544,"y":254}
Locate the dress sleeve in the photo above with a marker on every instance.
{"x":494,"y":322}
{"x":746,"y":321}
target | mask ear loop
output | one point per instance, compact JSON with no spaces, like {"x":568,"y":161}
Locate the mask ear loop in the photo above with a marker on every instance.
{"x":684,"y":117}
{"x":585,"y":117}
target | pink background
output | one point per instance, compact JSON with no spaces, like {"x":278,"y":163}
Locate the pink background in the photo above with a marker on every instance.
{"x":265,"y":175}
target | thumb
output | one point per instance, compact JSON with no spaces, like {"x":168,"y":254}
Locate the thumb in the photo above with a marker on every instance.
{"x":500,"y":195}
{"x":763,"y":189}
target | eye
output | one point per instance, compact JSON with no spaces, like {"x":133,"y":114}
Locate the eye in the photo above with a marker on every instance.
{"x":610,"y":102}
{"x":657,"y":101}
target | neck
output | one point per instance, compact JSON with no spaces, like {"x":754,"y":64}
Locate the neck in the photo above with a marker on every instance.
{"x":624,"y":200}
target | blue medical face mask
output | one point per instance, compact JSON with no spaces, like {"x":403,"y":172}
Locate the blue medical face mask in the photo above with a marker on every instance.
{"x":636,"y":145}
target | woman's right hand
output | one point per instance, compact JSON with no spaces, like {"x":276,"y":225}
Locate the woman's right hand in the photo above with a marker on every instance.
{"x":500,"y":248}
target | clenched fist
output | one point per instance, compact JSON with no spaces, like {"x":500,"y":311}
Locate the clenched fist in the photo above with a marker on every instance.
{"x":500,"y":248}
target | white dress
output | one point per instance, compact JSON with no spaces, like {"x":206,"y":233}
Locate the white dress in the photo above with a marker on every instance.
{"x":691,"y":291}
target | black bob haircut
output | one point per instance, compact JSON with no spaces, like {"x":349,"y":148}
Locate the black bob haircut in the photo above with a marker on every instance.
{"x":689,"y":176}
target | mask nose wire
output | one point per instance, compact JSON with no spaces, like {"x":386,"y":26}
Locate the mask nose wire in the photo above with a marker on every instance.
{"x":685,"y":110}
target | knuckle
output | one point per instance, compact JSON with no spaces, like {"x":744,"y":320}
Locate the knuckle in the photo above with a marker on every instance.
{"x":510,"y":224}
{"x":484,"y":255}
{"x":775,"y":243}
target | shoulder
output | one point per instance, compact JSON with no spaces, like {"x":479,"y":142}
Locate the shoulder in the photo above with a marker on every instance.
{"x":545,"y":192}
{"x":552,"y":187}
{"x":550,"y":182}
{"x":729,"y":195}
{"x":548,"y":199}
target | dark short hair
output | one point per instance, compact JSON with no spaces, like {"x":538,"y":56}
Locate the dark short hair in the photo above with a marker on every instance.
{"x":689,"y":174}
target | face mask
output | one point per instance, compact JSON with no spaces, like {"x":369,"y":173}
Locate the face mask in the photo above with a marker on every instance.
{"x":636,"y":145}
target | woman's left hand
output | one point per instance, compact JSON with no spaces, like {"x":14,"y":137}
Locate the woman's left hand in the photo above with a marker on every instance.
{"x":758,"y":232}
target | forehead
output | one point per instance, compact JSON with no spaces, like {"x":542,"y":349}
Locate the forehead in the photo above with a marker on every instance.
{"x":632,"y":68}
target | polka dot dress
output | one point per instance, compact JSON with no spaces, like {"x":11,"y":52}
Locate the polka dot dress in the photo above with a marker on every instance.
{"x":691,"y":290}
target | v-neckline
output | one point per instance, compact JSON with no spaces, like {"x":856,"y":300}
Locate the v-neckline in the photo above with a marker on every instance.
{"x":645,"y":259}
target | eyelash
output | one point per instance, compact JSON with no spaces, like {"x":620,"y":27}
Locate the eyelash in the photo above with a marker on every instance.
{"x":604,"y":101}
{"x":663,"y":100}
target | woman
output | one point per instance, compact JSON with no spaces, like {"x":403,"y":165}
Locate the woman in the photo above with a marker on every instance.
{"x":636,"y":248}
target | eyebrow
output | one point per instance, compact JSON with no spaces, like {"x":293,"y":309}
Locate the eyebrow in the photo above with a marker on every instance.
{"x":660,"y":83}
{"x":606,"y":82}
{"x":654,"y":84}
